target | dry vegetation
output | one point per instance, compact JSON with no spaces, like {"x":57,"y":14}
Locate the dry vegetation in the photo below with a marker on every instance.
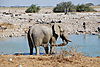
{"x":48,"y":61}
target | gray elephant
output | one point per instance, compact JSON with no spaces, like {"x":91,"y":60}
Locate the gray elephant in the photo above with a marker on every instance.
{"x":43,"y":35}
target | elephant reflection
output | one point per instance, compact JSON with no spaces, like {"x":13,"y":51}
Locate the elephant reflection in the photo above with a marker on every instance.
{"x":41,"y":35}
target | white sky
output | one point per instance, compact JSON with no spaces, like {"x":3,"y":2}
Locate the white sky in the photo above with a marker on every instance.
{"x":43,"y":2}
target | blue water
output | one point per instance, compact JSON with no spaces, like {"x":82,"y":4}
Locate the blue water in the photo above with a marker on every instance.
{"x":87,"y":44}
{"x":13,"y":45}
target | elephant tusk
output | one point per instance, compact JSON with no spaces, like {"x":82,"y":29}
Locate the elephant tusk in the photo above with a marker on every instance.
{"x":69,"y":40}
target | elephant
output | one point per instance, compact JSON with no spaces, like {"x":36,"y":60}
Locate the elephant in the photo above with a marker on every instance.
{"x":98,"y":29}
{"x":45,"y":35}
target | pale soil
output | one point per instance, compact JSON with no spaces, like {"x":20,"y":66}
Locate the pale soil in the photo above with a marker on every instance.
{"x":19,"y":21}
{"x":47,"y":61}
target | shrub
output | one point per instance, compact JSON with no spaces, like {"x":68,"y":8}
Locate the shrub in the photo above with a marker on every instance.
{"x":33,"y":9}
{"x":89,"y":4}
{"x":83,"y":8}
{"x":64,"y":7}
{"x":69,"y":7}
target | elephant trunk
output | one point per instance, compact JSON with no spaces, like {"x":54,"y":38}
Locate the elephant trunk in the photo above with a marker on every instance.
{"x":65,"y":41}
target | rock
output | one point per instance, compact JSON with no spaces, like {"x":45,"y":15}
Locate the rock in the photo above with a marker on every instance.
{"x":20,"y":65}
{"x":10,"y":35}
{"x":10,"y":60}
{"x":17,"y":14}
{"x":7,"y":13}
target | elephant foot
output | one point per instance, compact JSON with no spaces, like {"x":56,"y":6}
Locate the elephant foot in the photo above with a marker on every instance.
{"x":31,"y":53}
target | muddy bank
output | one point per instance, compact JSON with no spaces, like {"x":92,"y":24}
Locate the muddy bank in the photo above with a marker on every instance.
{"x":73,"y":23}
{"x":47,"y":61}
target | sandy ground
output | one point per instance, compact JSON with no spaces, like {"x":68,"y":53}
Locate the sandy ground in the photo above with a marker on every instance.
{"x":48,"y":61}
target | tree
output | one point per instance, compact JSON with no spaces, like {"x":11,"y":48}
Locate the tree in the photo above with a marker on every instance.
{"x":64,"y":7}
{"x":33,"y":9}
{"x":83,"y":8}
{"x":69,"y":7}
{"x":89,"y":4}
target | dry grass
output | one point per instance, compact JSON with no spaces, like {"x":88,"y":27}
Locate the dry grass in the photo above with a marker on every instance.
{"x":8,"y":25}
{"x":47,"y":61}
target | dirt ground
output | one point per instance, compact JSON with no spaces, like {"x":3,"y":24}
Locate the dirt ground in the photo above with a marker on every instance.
{"x":45,"y":60}
{"x":48,"y":61}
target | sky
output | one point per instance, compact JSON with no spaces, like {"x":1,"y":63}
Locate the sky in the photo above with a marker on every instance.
{"x":43,"y":2}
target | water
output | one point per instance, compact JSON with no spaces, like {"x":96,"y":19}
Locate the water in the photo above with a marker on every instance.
{"x":87,"y":44}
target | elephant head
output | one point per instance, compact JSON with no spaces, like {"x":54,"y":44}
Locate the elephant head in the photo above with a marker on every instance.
{"x":58,"y":31}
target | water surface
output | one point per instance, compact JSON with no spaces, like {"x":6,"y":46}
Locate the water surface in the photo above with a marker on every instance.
{"x":87,"y":44}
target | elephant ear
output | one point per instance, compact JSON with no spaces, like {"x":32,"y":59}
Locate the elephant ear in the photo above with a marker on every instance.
{"x":60,"y":28}
{"x":56,"y":29}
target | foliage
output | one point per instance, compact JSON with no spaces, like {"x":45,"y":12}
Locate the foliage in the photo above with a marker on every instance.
{"x":64,"y":7}
{"x":33,"y":9}
{"x":69,"y":7}
{"x":83,"y":8}
{"x":89,"y":4}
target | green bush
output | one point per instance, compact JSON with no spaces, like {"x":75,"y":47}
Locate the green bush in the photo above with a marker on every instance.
{"x":89,"y":4}
{"x":83,"y":8}
{"x":64,"y":7}
{"x":33,"y":9}
{"x":69,"y":7}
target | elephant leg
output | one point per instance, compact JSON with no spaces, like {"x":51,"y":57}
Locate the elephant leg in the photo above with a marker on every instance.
{"x":46,"y":50}
{"x":31,"y":50}
{"x":37,"y":50}
{"x":30,"y":45}
{"x":52,"y":42}
{"x":50,"y":49}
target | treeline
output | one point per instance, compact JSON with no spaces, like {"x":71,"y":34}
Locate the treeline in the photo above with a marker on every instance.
{"x":33,"y":9}
{"x":70,"y":7}
{"x":64,"y":7}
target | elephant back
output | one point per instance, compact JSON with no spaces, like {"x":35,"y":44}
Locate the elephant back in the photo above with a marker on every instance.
{"x":41,"y":33}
